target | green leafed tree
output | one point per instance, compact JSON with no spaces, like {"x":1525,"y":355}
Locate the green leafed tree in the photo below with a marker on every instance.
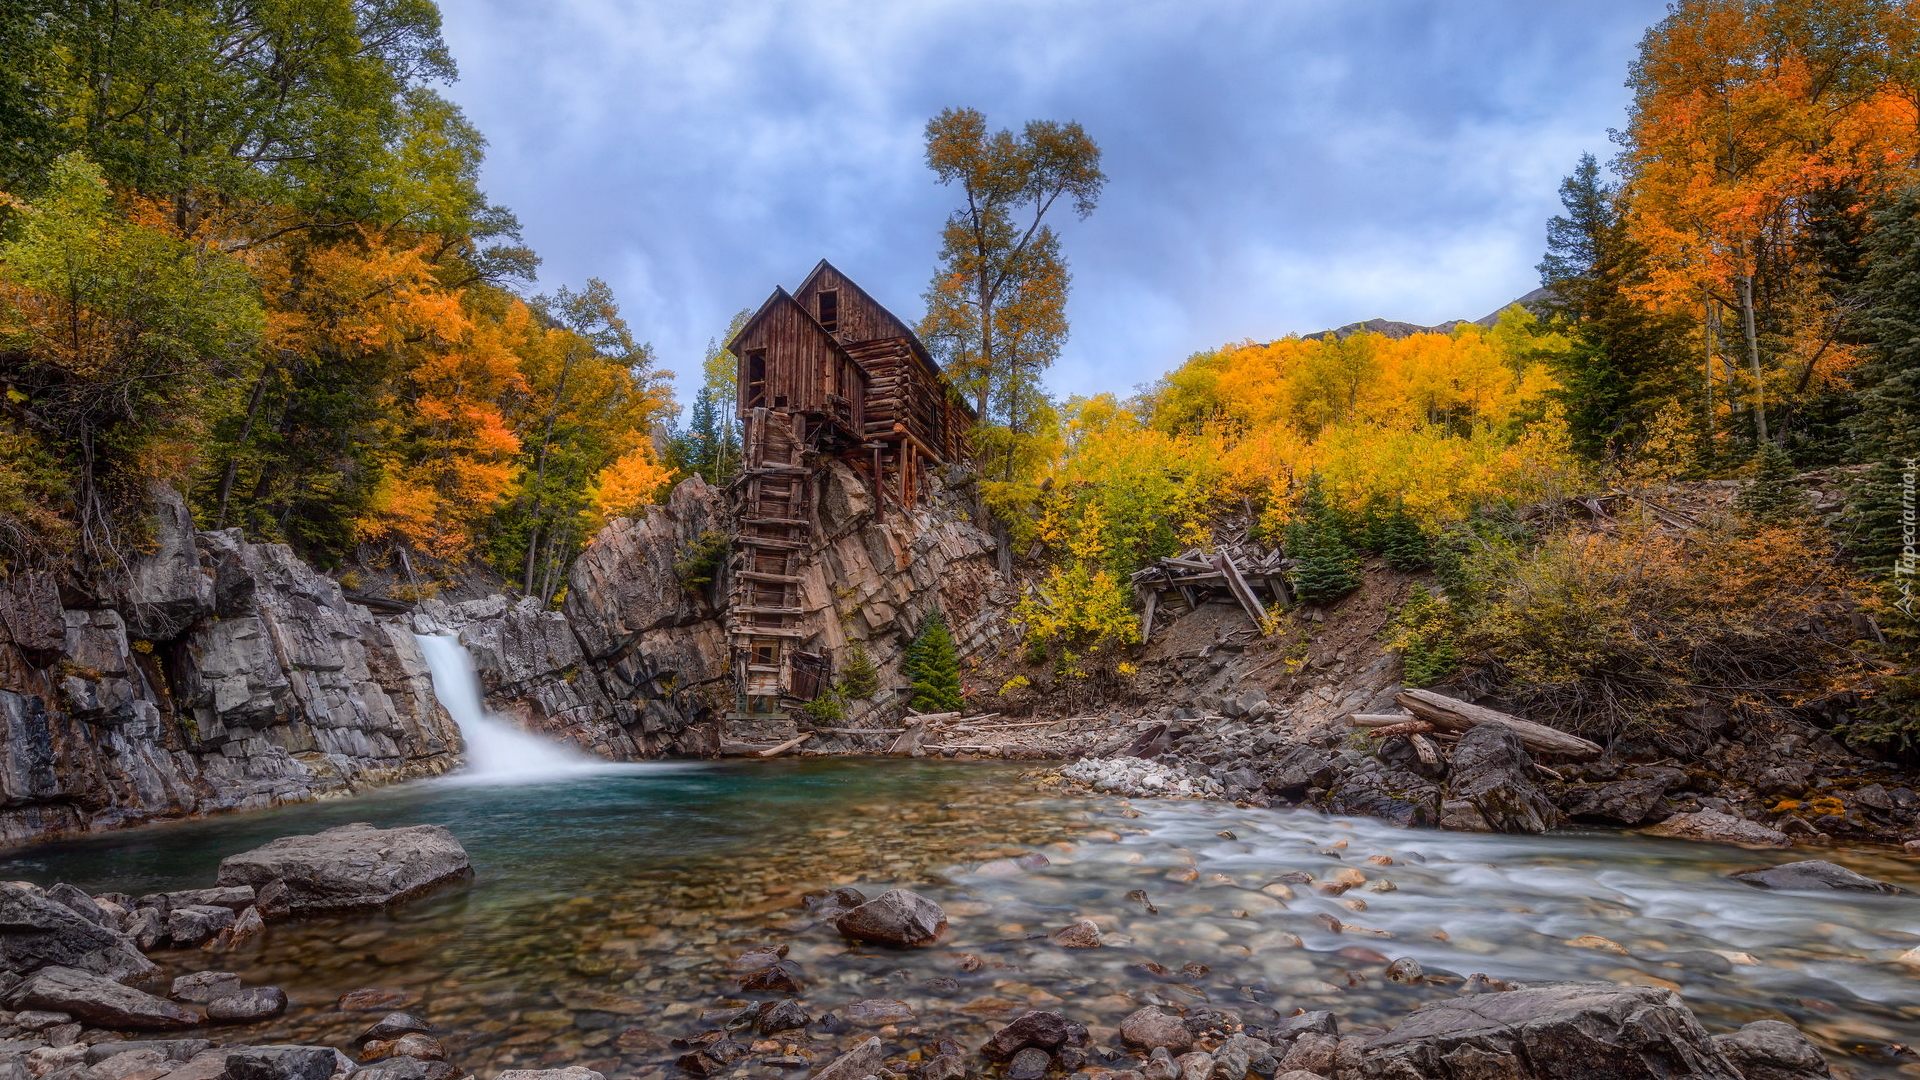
{"x":117,"y":343}
{"x":1888,"y":426}
{"x":996,"y":309}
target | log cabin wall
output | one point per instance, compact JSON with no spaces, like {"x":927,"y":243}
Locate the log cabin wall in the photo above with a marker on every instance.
{"x":788,"y":362}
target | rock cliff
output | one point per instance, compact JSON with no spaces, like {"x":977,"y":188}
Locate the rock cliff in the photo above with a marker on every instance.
{"x":215,"y":674}
{"x":212,"y":675}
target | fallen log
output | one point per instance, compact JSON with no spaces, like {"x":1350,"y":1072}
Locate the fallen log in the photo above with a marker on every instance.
{"x":1411,"y":727}
{"x":1428,"y":754}
{"x":776,"y":751}
{"x":1449,"y":714}
{"x":1380,"y":720}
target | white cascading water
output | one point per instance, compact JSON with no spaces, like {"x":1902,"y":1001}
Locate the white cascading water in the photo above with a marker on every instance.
{"x":496,"y":750}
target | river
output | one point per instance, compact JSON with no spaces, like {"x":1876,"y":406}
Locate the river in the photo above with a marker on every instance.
{"x":606,"y":904}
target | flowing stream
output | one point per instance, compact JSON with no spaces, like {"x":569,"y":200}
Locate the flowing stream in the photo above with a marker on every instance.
{"x":606,"y":906}
{"x":497,"y":751}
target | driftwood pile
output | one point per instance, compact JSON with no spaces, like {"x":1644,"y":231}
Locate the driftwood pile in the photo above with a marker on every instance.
{"x":1442,"y":717}
{"x":1195,"y":574}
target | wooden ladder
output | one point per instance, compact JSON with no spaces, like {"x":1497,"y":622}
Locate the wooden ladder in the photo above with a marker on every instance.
{"x":769,"y":557}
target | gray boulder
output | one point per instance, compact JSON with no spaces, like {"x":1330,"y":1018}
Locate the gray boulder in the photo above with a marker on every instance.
{"x":246,"y":1006}
{"x":571,"y":1072}
{"x":201,"y":987}
{"x":1393,"y":795}
{"x":1492,"y":773}
{"x":897,"y":917}
{"x":1771,"y":1050}
{"x":1811,"y":875}
{"x":284,"y":1063}
{"x":351,"y":866}
{"x":1715,"y":827}
{"x":168,"y":1049}
{"x":37,"y":932}
{"x":99,"y":1001}
{"x":1564,"y":1031}
{"x":1627,"y":801}
{"x":193,"y":924}
{"x":1297,"y":769}
{"x":864,"y":1060}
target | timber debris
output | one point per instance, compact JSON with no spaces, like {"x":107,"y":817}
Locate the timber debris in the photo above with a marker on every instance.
{"x":1195,"y":576}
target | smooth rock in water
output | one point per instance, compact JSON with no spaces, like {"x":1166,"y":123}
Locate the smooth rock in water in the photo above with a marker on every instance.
{"x":781,"y":1016}
{"x":282,"y":1063}
{"x":126,"y":1063}
{"x":897,"y":917}
{"x":41,"y":932}
{"x":1084,"y":934}
{"x":1771,"y":1050}
{"x":1161,"y":1066}
{"x":1198,"y":1066}
{"x":835,"y":902}
{"x":98,"y":1000}
{"x":1321,"y":1022}
{"x":783,"y":977}
{"x":393,"y":1025}
{"x":247,"y":924}
{"x":862,"y":1061}
{"x":879,"y":1012}
{"x":1044,"y":1030}
{"x":1492,"y":771}
{"x":351,"y":866}
{"x":571,"y":1072}
{"x":373,"y":999}
{"x":1149,"y":1028}
{"x":1029,"y":1064}
{"x":203,"y":986}
{"x":1566,"y":1031}
{"x":244,"y":1006}
{"x":945,"y":1067}
{"x":1718,"y":828}
{"x":1405,"y":970}
{"x":1311,"y":1052}
{"x":168,"y":1049}
{"x":755,"y":959}
{"x":413,"y":1045}
{"x":400,"y":1068}
{"x":1812,"y":875}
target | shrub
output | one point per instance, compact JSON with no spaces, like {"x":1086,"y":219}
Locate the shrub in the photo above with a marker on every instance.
{"x":1400,"y":540}
{"x":1425,"y":633}
{"x":699,"y":562}
{"x":1772,"y":498}
{"x":828,"y":708}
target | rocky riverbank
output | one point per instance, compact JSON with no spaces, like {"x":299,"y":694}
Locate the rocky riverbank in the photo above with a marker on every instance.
{"x":1765,"y":789}
{"x":75,"y":971}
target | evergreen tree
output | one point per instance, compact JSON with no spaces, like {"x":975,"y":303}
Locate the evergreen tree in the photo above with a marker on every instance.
{"x":1772,"y":498}
{"x":1325,"y":566}
{"x":1888,"y":426}
{"x":1627,"y":360}
{"x":860,"y":679}
{"x":1400,"y":540}
{"x":933,"y":665}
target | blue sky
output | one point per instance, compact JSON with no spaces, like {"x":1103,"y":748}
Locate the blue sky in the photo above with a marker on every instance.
{"x":1275,"y":166}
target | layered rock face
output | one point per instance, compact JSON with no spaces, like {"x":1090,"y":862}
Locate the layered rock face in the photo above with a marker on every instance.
{"x":216,"y":675}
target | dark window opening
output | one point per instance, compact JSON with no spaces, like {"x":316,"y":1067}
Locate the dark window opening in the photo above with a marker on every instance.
{"x":766,"y":655}
{"x":756,"y":379}
{"x":830,"y":310}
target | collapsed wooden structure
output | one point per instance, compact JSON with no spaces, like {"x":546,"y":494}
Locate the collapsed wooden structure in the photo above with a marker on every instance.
{"x":824,"y":372}
{"x":1194,"y":575}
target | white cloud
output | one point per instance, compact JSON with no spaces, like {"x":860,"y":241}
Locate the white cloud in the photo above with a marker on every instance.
{"x":1275,"y":167}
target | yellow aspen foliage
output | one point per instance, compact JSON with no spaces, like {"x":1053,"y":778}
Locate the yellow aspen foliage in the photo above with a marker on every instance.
{"x":622,"y":489}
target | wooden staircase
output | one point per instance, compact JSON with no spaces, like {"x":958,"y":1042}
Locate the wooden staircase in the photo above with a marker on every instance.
{"x":764,"y":609}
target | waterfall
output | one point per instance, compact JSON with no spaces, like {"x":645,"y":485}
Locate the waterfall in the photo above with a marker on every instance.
{"x":496,"y":750}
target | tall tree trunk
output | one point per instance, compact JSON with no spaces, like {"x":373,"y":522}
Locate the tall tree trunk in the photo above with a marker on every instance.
{"x":1710,"y":324}
{"x":533,"y":548}
{"x":246,"y":433}
{"x":1753,"y":355}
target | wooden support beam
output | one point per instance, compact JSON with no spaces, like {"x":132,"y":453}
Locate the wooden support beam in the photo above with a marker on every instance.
{"x":1238,"y":586}
{"x":1146,"y":619}
{"x":776,"y":751}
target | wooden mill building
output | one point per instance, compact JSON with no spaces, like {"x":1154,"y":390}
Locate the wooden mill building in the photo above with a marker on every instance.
{"x":825,"y":372}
